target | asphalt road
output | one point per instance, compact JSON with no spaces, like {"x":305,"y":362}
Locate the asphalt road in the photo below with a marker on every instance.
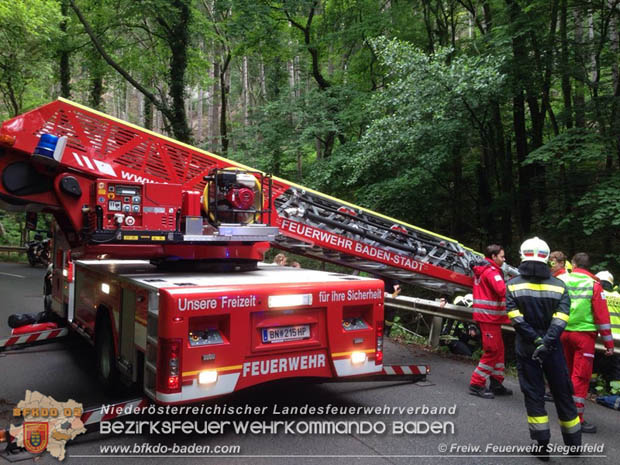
{"x":65,"y":370}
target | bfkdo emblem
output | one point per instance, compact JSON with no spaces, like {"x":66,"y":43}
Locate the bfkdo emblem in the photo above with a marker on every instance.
{"x":35,"y":436}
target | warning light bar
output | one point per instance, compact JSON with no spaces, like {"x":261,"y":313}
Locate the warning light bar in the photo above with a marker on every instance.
{"x":50,"y":147}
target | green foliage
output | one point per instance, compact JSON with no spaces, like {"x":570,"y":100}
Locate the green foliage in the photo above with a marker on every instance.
{"x":575,"y":147}
{"x":12,"y":224}
{"x":603,"y":388}
{"x":402,"y":334}
{"x":28,"y":29}
{"x":287,"y":127}
{"x":419,"y":122}
{"x":602,"y":205}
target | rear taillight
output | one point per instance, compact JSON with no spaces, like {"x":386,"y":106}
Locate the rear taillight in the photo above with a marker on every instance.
{"x":68,"y":268}
{"x":379,"y":347}
{"x":169,"y":366}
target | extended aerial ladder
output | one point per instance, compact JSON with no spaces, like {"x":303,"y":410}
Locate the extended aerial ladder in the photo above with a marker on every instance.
{"x":58,"y":176}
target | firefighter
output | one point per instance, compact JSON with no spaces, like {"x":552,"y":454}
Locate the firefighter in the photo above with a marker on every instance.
{"x":490,"y":313}
{"x":610,"y":366}
{"x":538,"y":307}
{"x":461,"y":338}
{"x":557,"y":263}
{"x":588,"y":315}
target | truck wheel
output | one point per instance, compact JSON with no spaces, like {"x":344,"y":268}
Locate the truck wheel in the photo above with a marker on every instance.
{"x":104,"y":348}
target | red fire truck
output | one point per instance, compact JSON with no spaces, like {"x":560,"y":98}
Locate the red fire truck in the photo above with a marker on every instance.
{"x":157,"y":258}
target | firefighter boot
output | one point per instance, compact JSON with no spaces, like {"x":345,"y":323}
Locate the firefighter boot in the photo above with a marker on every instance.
{"x":499,"y":389}
{"x":540,"y":451}
{"x":480,"y":391}
{"x":588,"y":427}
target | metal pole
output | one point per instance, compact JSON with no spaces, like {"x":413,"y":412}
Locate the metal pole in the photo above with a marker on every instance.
{"x":433,"y":337}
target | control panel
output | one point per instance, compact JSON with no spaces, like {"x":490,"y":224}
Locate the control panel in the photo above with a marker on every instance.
{"x":132,"y":206}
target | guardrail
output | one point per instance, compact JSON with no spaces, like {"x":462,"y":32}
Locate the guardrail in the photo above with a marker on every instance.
{"x":12,"y":248}
{"x":456,"y":312}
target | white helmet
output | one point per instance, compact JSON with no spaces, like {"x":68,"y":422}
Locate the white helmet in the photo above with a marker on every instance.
{"x":535,"y":250}
{"x":466,"y":300}
{"x":605,"y":276}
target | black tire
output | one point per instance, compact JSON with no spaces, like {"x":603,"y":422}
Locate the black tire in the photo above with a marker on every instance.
{"x":47,"y":303}
{"x":32,"y":260}
{"x":107,"y":370}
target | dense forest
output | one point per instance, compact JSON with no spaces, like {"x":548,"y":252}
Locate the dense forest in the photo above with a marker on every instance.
{"x":483,"y":120}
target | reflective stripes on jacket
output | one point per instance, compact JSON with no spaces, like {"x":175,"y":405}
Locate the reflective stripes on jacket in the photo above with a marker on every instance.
{"x":538,"y":307}
{"x":599,"y":314}
{"x":489,"y":294}
{"x":580,"y":290}
{"x":613,"y":305}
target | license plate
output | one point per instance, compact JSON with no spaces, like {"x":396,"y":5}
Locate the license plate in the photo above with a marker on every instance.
{"x":286,"y":333}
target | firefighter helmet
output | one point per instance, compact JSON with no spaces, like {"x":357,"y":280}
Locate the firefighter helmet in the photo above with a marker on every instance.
{"x":605,"y":276}
{"x":467,"y":300}
{"x":534,"y":249}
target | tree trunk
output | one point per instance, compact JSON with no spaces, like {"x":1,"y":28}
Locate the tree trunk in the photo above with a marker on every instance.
{"x":324,"y":84}
{"x":615,"y":78}
{"x":565,"y":51}
{"x":179,"y":42}
{"x":300,"y":159}
{"x":246,"y":93}
{"x":579,"y":99}
{"x":428,"y":24}
{"x":457,"y":226}
{"x":290,"y":66}
{"x":96,"y":89}
{"x":214,"y":122}
{"x":485,"y":200}
{"x":148,"y":114}
{"x":505,"y":187}
{"x":199,"y":114}
{"x":263,"y":85}
{"x":224,"y":102}
{"x":65,"y":65}
{"x":520,"y":64}
{"x":525,"y":172}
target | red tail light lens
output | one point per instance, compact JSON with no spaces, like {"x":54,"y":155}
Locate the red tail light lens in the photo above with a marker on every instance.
{"x":69,"y":267}
{"x":169,"y":366}
{"x":379,"y":346}
{"x":173,"y":383}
